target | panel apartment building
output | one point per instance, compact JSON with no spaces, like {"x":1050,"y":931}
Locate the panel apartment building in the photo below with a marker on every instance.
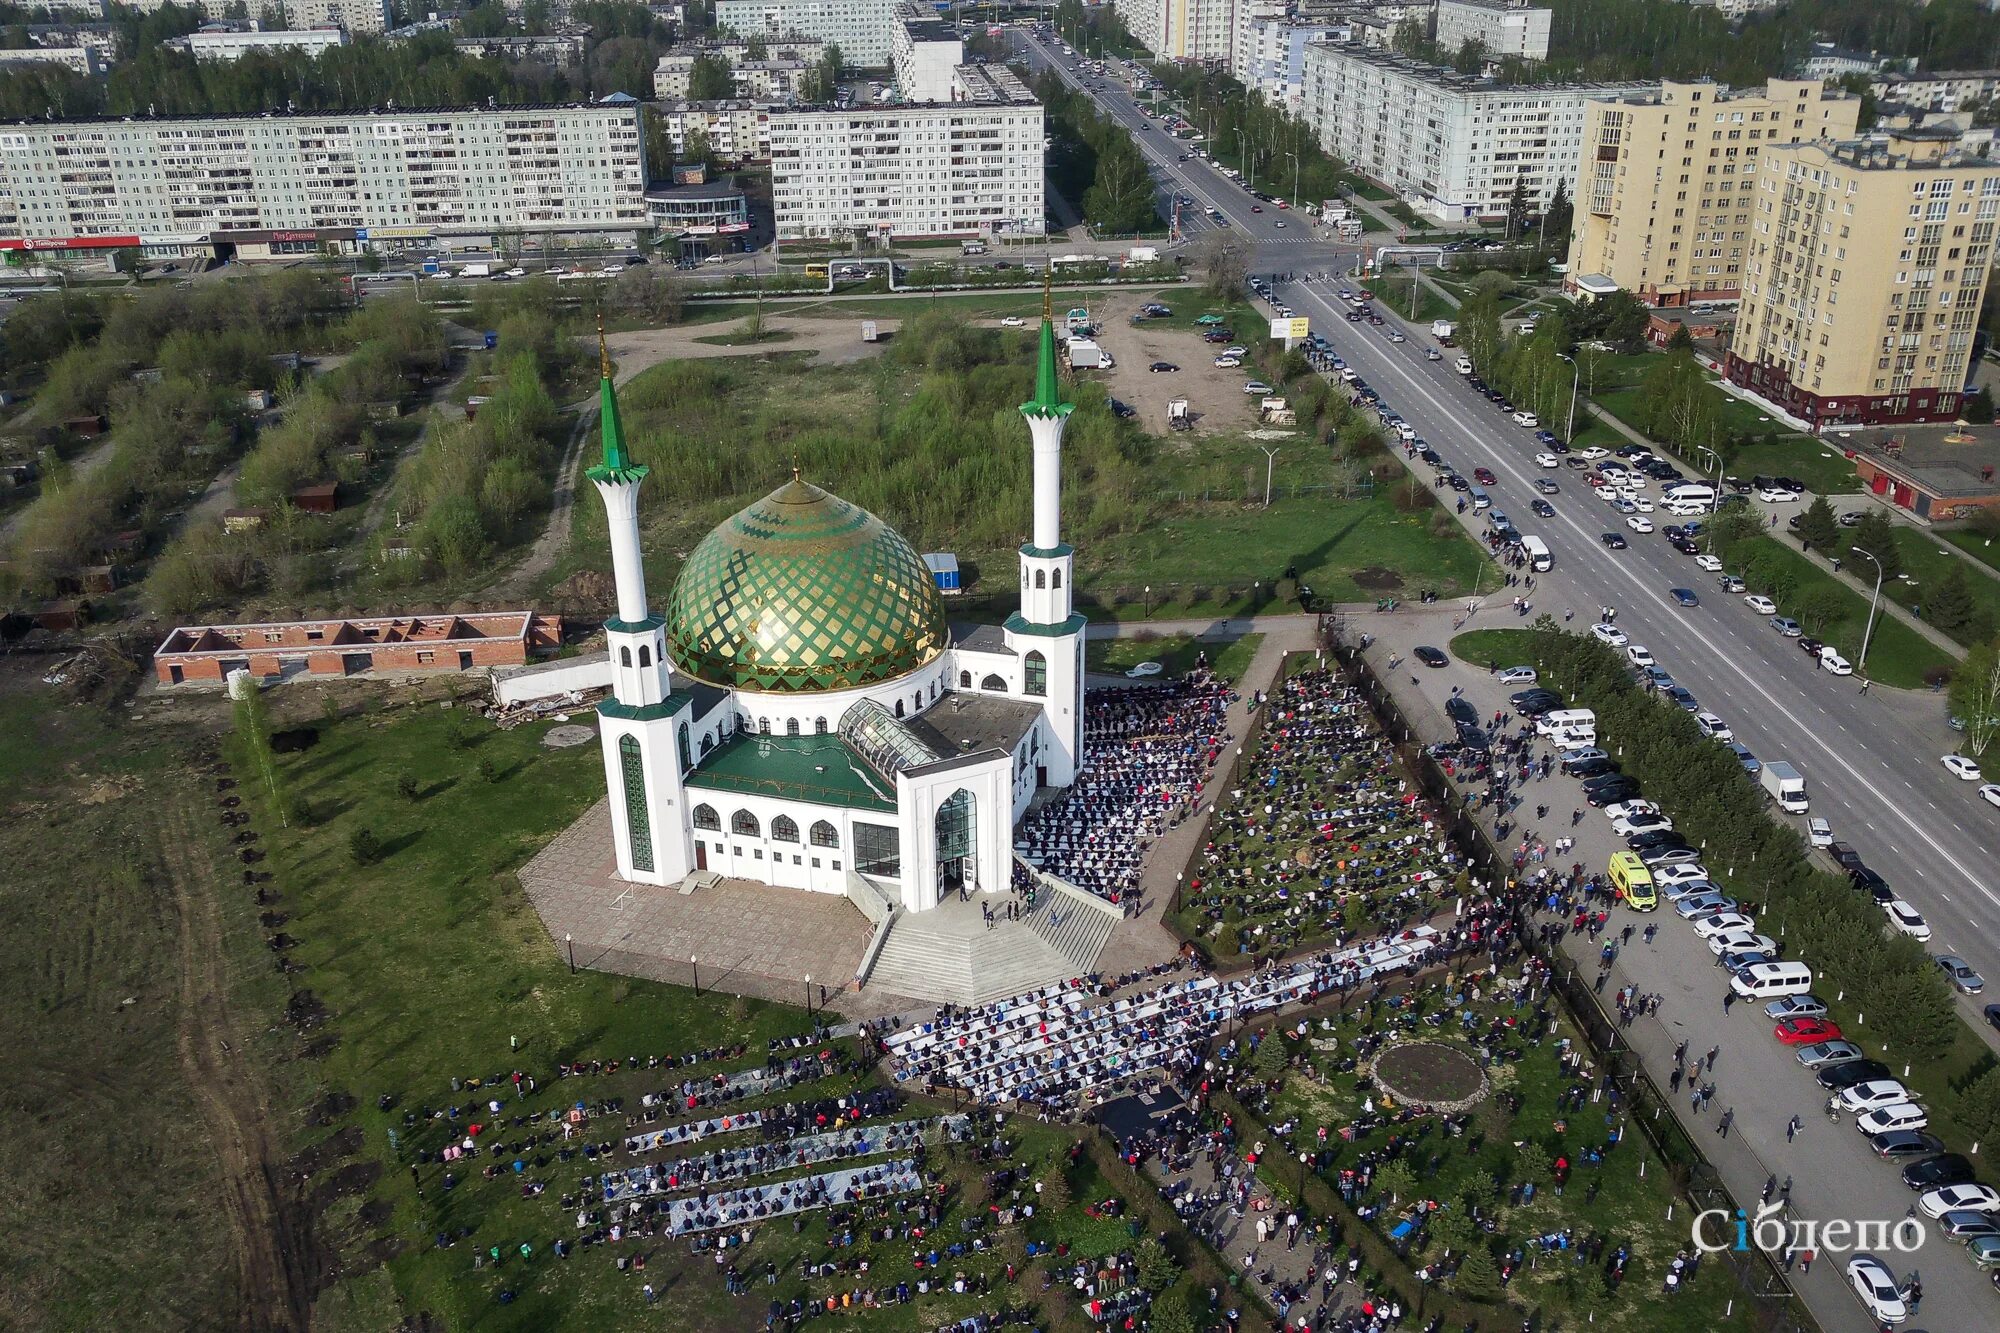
{"x":966,"y":167}
{"x":1868,"y":261}
{"x":271,"y":182}
{"x":860,"y":28}
{"x":1183,"y":29}
{"x":1451,"y":145}
{"x":1664,"y":196}
{"x":1502,"y":27}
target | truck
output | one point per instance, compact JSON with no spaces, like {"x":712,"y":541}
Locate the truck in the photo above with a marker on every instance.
{"x":1143,"y":254}
{"x":1442,"y":329}
{"x":1784,"y":785}
{"x":476,"y":271}
{"x":1177,"y":415}
{"x":1077,"y":320}
{"x":1083,"y":354}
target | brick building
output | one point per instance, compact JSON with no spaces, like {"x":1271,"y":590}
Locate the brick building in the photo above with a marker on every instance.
{"x":208,"y":653}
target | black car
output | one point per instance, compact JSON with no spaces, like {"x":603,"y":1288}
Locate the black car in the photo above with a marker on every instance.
{"x":1123,"y":410}
{"x":1615,"y":540}
{"x":1871,"y":883}
{"x":1459,"y":709}
{"x":1542,"y":508}
{"x":1850,"y":1072}
{"x":1533,"y":703}
{"x":1472,"y":736}
{"x":1659,"y":837}
{"x":1163,"y":368}
{"x":1896,"y":1144}
{"x":1622,"y":789}
{"x":1685,"y":546}
{"x":1431,"y":657}
{"x":1680,"y":695}
{"x":1595,"y":766}
{"x":1934,"y":1173}
{"x":1844,"y":855}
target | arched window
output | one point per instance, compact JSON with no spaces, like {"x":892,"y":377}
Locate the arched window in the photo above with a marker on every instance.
{"x":1037,"y":674}
{"x":965,"y":680}
{"x":819,"y":726}
{"x":624,"y":655}
{"x":899,"y":708}
{"x":638,"y":823}
{"x":1041,"y":579}
{"x":645,"y":654}
{"x":791,"y":726}
{"x":763,"y":726}
{"x":934,"y":691}
{"x":745,"y":823}
{"x":705,"y":817}
{"x":1055,"y":579}
{"x":825,"y":834}
{"x":687,"y":755}
{"x":784,"y":829}
{"x":707,"y":741}
{"x":993,"y":683}
{"x":917,"y":701}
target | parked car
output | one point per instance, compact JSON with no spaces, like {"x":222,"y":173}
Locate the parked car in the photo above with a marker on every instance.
{"x":1960,"y":973}
{"x":1826,"y":1053}
{"x":1875,"y":1286}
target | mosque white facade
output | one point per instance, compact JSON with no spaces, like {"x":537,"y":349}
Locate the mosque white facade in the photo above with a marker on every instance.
{"x":803,"y":712}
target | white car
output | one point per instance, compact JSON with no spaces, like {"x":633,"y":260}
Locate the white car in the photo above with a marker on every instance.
{"x":1228,"y":362}
{"x":1639,"y":522}
{"x":1640,"y":821}
{"x":1907,"y":919}
{"x":1819,"y":833}
{"x":1875,"y":1287}
{"x":1761,"y":604}
{"x":1741,"y":941}
{"x":1831,"y":662}
{"x":1603,"y":492}
{"x":1961,"y":767}
{"x":1547,"y":459}
{"x":1708,"y":564}
{"x":1713,"y":726}
{"x":1668,"y":877}
{"x":1888,"y":1119}
{"x":1722,"y":923}
{"x":1256,"y":386}
{"x":1528,"y":420}
{"x":1627,"y":809}
{"x":1012,"y":322}
{"x":1990,"y":793}
{"x":1639,"y":656}
{"x":1642,"y":504}
{"x":1593,"y":453}
{"x":1464,"y":366}
{"x":1394,"y":336}
{"x":1952,"y":1198}
{"x":1518,"y":675}
{"x":1776,"y":495}
{"x":1610,"y":634}
{"x":1876,"y":1092}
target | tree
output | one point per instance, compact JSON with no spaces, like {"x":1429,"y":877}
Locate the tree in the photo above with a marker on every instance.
{"x":1818,"y":528}
{"x":1532,"y":1161}
{"x":1120,"y":198}
{"x":1558,"y":217}
{"x":1517,"y":210}
{"x":1478,"y":1277}
{"x":1158,"y":1269}
{"x":1978,"y":406}
{"x":363,"y":847}
{"x":1470,"y":57}
{"x":1397,"y":1179}
{"x":1975,"y":697}
{"x":1680,"y":340}
{"x":1222,"y":255}
{"x":1876,"y":534}
{"x":1950,"y":605}
{"x":822,"y":81}
{"x":1172,"y":1313}
{"x":1819,"y":606}
{"x":709,"y":79}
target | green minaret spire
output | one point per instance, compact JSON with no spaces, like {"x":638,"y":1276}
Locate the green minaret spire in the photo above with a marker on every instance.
{"x":1048,"y":400}
{"x":617,"y":467}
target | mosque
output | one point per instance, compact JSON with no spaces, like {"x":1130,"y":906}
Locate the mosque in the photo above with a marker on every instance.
{"x":804,"y":712}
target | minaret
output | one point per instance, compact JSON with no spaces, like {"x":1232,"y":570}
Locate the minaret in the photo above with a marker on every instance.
{"x":1047,"y":632}
{"x":644,"y":725}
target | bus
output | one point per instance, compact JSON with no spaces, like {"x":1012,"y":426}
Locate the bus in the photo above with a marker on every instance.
{"x":816,"y":270}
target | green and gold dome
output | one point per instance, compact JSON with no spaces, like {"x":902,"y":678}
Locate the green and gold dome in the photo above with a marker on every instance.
{"x":802,"y":593}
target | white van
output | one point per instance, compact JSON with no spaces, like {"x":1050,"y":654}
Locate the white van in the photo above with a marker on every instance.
{"x":1571,"y":738}
{"x":1685,"y":508}
{"x":1566,"y":717}
{"x":1537,"y":552}
{"x":1689,"y":490}
{"x":1770,"y":981}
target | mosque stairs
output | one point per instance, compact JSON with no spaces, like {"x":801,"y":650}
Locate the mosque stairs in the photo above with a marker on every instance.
{"x":949,"y":956}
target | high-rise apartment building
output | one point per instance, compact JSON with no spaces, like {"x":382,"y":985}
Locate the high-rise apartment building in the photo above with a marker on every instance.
{"x":860,"y":28}
{"x":1183,"y":29}
{"x":1501,"y":27}
{"x":1664,"y":193}
{"x":924,"y":49}
{"x":1451,"y":145}
{"x":195,"y":184}
{"x":1867,"y":264}
{"x":968,"y":166}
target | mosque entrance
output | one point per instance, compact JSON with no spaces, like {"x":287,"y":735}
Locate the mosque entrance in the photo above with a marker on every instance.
{"x":956,"y":825}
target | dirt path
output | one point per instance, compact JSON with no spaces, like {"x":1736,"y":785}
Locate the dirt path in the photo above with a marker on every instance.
{"x":275,"y":1255}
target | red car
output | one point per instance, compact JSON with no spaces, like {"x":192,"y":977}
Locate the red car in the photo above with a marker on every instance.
{"x":1806,"y":1031}
{"x":1484,"y":476}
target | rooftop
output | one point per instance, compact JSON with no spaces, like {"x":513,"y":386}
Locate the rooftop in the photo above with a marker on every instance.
{"x":694,"y":193}
{"x":526,"y":108}
{"x":1451,"y":78}
{"x":819,"y":770}
{"x":1939,"y":459}
{"x":294,"y":634}
{"x":962,"y":724}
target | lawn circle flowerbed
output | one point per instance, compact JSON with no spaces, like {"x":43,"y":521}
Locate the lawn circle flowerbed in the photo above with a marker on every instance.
{"x":1429,"y":1073}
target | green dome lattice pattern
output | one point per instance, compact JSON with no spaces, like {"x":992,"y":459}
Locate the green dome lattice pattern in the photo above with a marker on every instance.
{"x":803,"y":592}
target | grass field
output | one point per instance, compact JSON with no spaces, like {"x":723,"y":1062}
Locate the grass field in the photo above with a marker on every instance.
{"x":1508,"y":647}
{"x":1927,"y":564}
{"x":1897,"y":654}
{"x":1984,"y":549}
{"x":1176,"y":653}
{"x":1823,"y":470}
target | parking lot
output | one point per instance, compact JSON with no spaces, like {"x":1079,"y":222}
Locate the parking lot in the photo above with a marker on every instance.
{"x":1215,"y":395}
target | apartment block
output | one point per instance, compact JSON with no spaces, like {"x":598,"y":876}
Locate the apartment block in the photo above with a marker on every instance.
{"x":1868,"y":260}
{"x":737,"y":131}
{"x":966,"y":167}
{"x":670,"y":73}
{"x":1944,"y":90}
{"x":77,"y":59}
{"x":1450,"y":145}
{"x":357,"y":16}
{"x":1502,"y":27}
{"x":219,"y":43}
{"x":206,"y":183}
{"x":860,"y":28}
{"x":924,"y":49}
{"x":1663,"y":199}
{"x":1182,"y":29}
{"x":1269,"y":55}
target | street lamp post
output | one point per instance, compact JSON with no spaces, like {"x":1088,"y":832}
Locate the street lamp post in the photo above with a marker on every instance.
{"x":695,"y":962}
{"x":1708,"y":535}
{"x":809,"y":995}
{"x":569,"y":946}
{"x":1270,"y":465}
{"x":1873,"y":603}
{"x":1575,"y":382}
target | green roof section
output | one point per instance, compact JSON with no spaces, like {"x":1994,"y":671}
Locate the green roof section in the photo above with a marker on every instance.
{"x":617,"y":467}
{"x":817,"y":770}
{"x":1048,"y":400}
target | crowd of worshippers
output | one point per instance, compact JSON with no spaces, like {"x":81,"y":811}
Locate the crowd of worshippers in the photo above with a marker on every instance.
{"x":1148,"y":750}
{"x":773,"y":1156}
{"x":1052,"y":1049}
{"x":1323,"y":837}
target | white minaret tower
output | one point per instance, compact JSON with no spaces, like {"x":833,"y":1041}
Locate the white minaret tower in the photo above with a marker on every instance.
{"x":1047,"y":632}
{"x":644,"y":725}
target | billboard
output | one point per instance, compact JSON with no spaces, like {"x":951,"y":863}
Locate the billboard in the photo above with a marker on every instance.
{"x":1290,"y":328}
